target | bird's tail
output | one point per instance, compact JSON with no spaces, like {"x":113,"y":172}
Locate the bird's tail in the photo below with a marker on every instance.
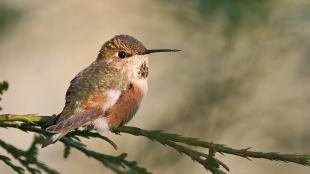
{"x":52,"y":139}
{"x":61,"y":128}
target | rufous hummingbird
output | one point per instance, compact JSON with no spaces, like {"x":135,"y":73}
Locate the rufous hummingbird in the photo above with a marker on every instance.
{"x":108,"y":92}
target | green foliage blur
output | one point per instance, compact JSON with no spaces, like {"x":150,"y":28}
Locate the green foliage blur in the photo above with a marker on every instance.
{"x":3,"y":87}
{"x":8,"y":16}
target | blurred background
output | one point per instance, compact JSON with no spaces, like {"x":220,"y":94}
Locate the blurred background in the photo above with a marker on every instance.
{"x":242,"y":78}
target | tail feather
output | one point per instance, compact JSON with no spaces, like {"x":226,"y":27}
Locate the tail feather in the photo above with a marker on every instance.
{"x":61,"y":128}
{"x":52,"y":139}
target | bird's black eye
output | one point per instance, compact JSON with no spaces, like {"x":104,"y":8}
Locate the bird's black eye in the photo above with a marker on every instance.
{"x":122,"y":54}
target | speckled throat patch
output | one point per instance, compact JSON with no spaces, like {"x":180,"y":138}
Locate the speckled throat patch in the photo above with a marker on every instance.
{"x":143,"y":71}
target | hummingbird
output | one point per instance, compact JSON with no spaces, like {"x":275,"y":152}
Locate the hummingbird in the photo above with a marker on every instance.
{"x":108,"y":92}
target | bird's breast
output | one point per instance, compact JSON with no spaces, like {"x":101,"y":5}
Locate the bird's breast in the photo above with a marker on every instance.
{"x":125,"y":108}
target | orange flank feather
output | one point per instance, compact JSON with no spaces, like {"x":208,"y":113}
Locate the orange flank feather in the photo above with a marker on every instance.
{"x":95,"y":100}
{"x":126,"y":106}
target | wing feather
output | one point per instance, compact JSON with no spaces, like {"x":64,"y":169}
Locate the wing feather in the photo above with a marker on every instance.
{"x":77,"y":120}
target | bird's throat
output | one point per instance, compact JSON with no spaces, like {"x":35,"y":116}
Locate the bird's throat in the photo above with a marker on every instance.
{"x":136,"y":71}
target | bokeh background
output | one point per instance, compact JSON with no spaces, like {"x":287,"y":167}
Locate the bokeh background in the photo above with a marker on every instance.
{"x":242,"y":78}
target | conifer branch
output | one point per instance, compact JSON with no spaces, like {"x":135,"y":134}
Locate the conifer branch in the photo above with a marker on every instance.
{"x":118,"y":164}
{"x":245,"y":153}
{"x":28,"y":159}
{"x":30,"y":122}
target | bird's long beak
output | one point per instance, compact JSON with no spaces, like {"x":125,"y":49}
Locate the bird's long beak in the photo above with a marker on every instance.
{"x":159,"y":50}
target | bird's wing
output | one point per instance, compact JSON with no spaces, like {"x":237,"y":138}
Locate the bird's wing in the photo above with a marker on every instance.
{"x":76,"y":120}
{"x":61,"y":128}
{"x":94,"y":107}
{"x":118,"y":106}
{"x":83,"y":88}
{"x":83,"y":100}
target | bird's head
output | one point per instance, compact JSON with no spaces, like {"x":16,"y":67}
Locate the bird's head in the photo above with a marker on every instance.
{"x":121,"y":49}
